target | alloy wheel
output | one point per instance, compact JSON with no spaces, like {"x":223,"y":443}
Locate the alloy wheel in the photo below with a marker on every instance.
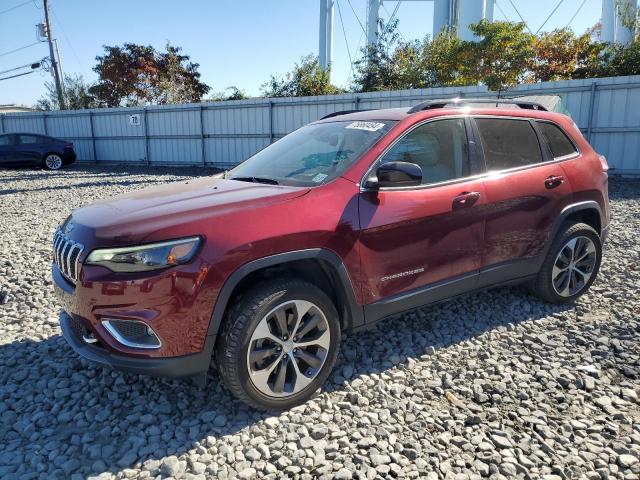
{"x":574,"y":266}
{"x":288,"y":348}
{"x":53,"y":162}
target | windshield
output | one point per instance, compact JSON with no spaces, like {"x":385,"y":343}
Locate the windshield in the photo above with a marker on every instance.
{"x":312,"y":155}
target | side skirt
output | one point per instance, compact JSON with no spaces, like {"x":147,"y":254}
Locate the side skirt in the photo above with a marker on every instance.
{"x":507,"y":273}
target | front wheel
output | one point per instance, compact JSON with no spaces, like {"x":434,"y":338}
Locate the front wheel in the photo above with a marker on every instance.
{"x":52,"y":161}
{"x":571,"y":265}
{"x":279,"y":344}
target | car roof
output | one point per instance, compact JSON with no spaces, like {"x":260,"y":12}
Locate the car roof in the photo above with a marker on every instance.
{"x":483,"y":106}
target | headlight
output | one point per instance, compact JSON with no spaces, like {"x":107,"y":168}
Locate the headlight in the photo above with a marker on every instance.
{"x":141,"y":258}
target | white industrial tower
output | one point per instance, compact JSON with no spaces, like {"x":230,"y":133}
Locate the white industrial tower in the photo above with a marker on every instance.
{"x":612,"y":22}
{"x":459,"y":14}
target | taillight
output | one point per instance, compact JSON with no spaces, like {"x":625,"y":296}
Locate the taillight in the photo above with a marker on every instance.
{"x":603,"y":161}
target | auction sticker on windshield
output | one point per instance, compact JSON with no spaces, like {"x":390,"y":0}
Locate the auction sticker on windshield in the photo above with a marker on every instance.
{"x":369,"y":126}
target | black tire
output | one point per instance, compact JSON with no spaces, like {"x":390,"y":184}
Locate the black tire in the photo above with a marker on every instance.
{"x":52,"y":161}
{"x":239,"y":325}
{"x":543,"y":285}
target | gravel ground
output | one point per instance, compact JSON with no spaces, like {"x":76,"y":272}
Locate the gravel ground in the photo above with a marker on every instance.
{"x":496,"y":384}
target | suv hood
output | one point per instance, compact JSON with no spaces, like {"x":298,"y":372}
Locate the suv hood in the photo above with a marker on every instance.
{"x":145,"y":211}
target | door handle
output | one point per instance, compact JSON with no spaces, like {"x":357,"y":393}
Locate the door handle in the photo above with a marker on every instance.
{"x":553,"y":181}
{"x":465,"y":200}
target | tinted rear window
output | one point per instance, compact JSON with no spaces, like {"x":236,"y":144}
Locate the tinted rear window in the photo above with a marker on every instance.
{"x":508,"y":143}
{"x":557,"y":140}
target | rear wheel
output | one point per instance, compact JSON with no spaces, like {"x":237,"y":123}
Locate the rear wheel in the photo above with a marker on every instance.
{"x":279,"y":344}
{"x":52,"y":161}
{"x":571,"y":265}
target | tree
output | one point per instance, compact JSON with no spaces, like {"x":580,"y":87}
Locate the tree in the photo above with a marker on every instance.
{"x":617,"y":60}
{"x":74,"y":91}
{"x":375,"y":69}
{"x":447,"y":61}
{"x":558,"y":54}
{"x":307,"y":78}
{"x":229,"y":93}
{"x":503,"y":53}
{"x":134,"y":75}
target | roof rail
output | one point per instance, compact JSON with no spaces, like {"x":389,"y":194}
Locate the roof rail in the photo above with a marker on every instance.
{"x":460,"y":102}
{"x":344,"y":112}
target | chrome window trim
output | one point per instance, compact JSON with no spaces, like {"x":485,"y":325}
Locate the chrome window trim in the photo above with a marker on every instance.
{"x":115,"y":334}
{"x":392,"y":144}
{"x":576,"y":147}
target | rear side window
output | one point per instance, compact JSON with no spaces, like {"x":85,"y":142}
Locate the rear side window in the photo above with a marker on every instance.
{"x":5,"y":140}
{"x":557,"y":140}
{"x":28,"y":139}
{"x":508,"y":143}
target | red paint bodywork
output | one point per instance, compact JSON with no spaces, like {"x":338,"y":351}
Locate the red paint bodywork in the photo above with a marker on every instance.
{"x":375,"y":234}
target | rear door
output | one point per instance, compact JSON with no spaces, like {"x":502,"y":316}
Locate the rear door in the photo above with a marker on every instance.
{"x":29,"y":148}
{"x":525,"y":191}
{"x":416,"y":237}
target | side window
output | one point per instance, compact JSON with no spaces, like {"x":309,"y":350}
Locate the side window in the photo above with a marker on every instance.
{"x":438,"y":147}
{"x":28,"y":139}
{"x":508,"y":143}
{"x":5,"y":140}
{"x":557,"y":140}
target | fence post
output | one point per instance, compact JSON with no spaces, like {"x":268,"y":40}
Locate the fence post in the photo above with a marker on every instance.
{"x":146,"y":137}
{"x":2,"y":123}
{"x":356,"y":102}
{"x":93,"y":137}
{"x":44,"y":123}
{"x":202,"y":145}
{"x":592,"y":99}
{"x":270,"y":121}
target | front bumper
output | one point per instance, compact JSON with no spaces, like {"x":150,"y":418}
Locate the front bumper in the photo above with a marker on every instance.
{"x":172,"y":367}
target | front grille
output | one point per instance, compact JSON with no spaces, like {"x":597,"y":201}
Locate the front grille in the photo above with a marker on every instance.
{"x":66,"y":253}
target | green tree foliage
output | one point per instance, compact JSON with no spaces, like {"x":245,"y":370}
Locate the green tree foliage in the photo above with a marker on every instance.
{"x":502,"y":54}
{"x":229,"y":93}
{"x":75,"y":91}
{"x":134,"y":75}
{"x":307,"y":78}
{"x":379,"y":67}
{"x":560,"y":54}
{"x":617,"y":60}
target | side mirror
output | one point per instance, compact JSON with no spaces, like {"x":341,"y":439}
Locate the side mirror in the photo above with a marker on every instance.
{"x":396,"y":174}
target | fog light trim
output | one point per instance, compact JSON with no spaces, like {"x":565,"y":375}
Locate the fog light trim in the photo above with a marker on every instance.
{"x":110,"y":325}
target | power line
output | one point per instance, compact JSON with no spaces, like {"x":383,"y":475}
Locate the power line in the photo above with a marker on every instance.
{"x":357,"y":18}
{"x":13,"y":8}
{"x":547,"y":19}
{"x":18,"y":49}
{"x":21,"y":67}
{"x":518,"y":12}
{"x":64,"y":34}
{"x":18,"y":75}
{"x":576,"y":14}
{"x":344,"y":33}
{"x":502,"y":11}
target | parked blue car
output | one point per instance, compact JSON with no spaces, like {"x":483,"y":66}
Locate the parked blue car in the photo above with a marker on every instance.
{"x":29,"y":149}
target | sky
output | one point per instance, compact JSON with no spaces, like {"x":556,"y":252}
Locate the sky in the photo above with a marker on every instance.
{"x":237,"y":43}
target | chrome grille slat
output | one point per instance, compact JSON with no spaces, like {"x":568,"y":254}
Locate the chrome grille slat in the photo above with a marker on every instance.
{"x":66,"y":255}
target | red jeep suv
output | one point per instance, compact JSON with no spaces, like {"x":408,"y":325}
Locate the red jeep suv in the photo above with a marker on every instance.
{"x":353,"y":218}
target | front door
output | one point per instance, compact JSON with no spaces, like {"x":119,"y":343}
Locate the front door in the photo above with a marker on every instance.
{"x":6,"y":146}
{"x":414,"y":240}
{"x":525,"y":191}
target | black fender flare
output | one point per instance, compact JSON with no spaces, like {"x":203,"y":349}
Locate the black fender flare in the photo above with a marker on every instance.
{"x":564,"y":214}
{"x":354,"y":311}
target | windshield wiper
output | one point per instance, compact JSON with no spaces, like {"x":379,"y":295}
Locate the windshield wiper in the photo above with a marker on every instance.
{"x":269,"y":181}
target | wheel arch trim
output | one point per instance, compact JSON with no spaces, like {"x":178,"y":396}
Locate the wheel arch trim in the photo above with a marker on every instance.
{"x":564,"y":214}
{"x":355,"y":311}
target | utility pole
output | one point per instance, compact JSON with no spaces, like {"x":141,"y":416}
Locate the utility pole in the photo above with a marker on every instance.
{"x":54,"y":63}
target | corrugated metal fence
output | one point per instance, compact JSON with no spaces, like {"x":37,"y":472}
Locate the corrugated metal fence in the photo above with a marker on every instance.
{"x":223,"y":134}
